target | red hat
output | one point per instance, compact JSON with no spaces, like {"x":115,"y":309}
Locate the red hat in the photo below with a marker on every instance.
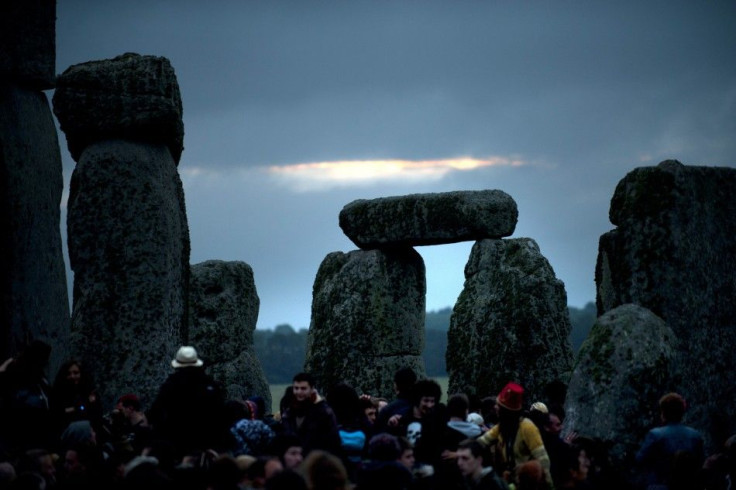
{"x":511,"y":396}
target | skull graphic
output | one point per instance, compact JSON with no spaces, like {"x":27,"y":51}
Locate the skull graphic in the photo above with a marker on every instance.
{"x":414,"y":432}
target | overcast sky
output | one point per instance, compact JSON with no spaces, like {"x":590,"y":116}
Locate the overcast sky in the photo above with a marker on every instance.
{"x":294,"y":109}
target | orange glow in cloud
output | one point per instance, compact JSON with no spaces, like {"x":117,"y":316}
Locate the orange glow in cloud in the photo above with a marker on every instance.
{"x":320,"y":175}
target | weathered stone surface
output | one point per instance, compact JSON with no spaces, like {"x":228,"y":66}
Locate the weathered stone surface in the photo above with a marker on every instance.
{"x":620,"y":373}
{"x":129,"y":250}
{"x":510,"y":322}
{"x":367,"y":318}
{"x":243,"y":377}
{"x":35,"y":301}
{"x":429,"y":219}
{"x":28,"y":43}
{"x":674,"y":253}
{"x":129,"y":97}
{"x":223,"y":310}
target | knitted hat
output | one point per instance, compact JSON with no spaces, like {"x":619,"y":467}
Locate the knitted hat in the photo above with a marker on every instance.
{"x":510,"y":397}
{"x":186,"y":356}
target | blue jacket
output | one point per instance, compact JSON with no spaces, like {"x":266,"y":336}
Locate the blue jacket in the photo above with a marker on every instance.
{"x":662,"y":444}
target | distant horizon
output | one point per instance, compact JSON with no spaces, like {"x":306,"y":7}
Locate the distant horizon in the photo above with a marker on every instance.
{"x":435,"y":311}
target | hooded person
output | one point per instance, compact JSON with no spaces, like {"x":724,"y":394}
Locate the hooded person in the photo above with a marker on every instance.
{"x":516,"y":438}
{"x":456,"y":430}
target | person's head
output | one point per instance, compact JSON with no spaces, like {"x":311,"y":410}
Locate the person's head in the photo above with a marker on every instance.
{"x":69,"y":374}
{"x":426,"y":394}
{"x":129,"y":401}
{"x":553,"y":424}
{"x":558,"y":410}
{"x":384,"y":447}
{"x":323,"y":471}
{"x":79,"y":431}
{"x":458,"y":406}
{"x":404,"y":379}
{"x":28,"y":481}
{"x":272,"y":467}
{"x":288,"y":448}
{"x":7,"y":473}
{"x":406,"y":457}
{"x":128,"y":406}
{"x":39,"y":461}
{"x":287,"y":399}
{"x":672,"y":407}
{"x":530,"y":476}
{"x":286,"y":480}
{"x":260,"y":406}
{"x":470,"y":458}
{"x":574,"y":464}
{"x":235,"y":411}
{"x":344,"y":401}
{"x":223,"y":473}
{"x":488,"y":410}
{"x":509,"y":402}
{"x":32,"y":361}
{"x":74,"y":373}
{"x":83,"y":458}
{"x":302,"y":387}
{"x":370,"y":409}
{"x":511,"y":397}
{"x":539,"y":414}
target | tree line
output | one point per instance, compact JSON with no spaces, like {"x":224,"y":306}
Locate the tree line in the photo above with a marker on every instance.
{"x":283,"y":349}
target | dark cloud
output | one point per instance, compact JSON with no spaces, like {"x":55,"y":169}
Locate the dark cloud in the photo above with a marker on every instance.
{"x":583,"y":91}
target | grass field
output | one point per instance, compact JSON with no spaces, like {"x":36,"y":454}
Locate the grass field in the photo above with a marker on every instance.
{"x":277,"y":391}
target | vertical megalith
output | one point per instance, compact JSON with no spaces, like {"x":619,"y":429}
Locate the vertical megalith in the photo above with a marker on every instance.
{"x":28,"y":43}
{"x":223,"y":310}
{"x":35,"y":302}
{"x":510,"y":322}
{"x":621,"y":371}
{"x":673,"y":252}
{"x":127,"y":227}
{"x":368,"y":312}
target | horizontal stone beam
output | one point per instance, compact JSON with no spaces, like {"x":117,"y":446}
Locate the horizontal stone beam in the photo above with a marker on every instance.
{"x":130,"y":97}
{"x":429,"y":219}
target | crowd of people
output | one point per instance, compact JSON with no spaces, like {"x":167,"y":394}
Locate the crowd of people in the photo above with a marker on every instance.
{"x":191,"y":437}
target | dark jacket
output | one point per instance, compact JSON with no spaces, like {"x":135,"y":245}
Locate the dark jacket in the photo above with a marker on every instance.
{"x":489,"y":480}
{"x":400,"y":406}
{"x":318,"y":427}
{"x":189,"y":411}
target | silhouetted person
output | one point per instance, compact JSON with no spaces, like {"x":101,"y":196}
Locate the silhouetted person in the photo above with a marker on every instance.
{"x":189,"y":407}
{"x":663,"y":444}
{"x":26,"y":418}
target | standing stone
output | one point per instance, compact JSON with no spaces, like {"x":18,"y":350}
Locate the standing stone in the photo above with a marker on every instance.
{"x":510,"y":322}
{"x":28,"y":43}
{"x":127,"y":225}
{"x":621,"y":371}
{"x":674,"y":252}
{"x":35,"y":300}
{"x":368,"y":312}
{"x":223,"y":310}
{"x":429,"y":219}
{"x":129,"y":249}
